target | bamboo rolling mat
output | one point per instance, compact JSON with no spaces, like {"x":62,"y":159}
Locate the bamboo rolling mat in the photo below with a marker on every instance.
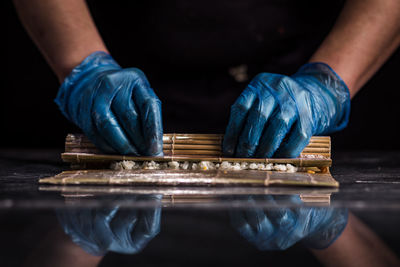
{"x":194,"y":144}
{"x":82,"y":154}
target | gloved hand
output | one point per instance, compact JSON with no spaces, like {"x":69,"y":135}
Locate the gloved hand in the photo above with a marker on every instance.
{"x":280,"y":228}
{"x":115,"y":108}
{"x":276,"y":115}
{"x":99,"y":230}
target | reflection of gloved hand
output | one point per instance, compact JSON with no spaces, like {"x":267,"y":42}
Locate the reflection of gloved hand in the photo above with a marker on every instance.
{"x":277,"y":115}
{"x":116,"y":108}
{"x":99,"y":230}
{"x":280,"y":228}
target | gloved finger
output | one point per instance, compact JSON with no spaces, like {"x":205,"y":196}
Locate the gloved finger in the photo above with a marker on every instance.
{"x":87,"y":228}
{"x":285,"y":222}
{"x":275,"y":213}
{"x":104,"y":120}
{"x":149,"y":107}
{"x":251,"y":223}
{"x":239,"y":222}
{"x":258,"y":116}
{"x":99,"y":142}
{"x":295,"y":225}
{"x":297,"y":139}
{"x":276,"y":129}
{"x":237,"y":119}
{"x":128,"y":116}
{"x":85,"y":122}
{"x":290,"y":201}
{"x":109,"y":128}
{"x":121,"y":226}
{"x":128,"y":234}
{"x":147,"y":227}
{"x":259,"y":222}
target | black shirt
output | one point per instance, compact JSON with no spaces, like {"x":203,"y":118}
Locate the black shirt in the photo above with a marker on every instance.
{"x":187,"y":49}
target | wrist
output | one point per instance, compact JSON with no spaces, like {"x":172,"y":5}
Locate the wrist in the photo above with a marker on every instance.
{"x":341,"y":68}
{"x":68,"y":61}
{"x":324,"y":83}
{"x":81,"y":75}
{"x":331,"y":228}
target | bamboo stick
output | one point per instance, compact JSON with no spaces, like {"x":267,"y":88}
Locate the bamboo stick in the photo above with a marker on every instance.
{"x":169,"y":153}
{"x":207,"y":145}
{"x":192,"y":152}
{"x":193,"y":136}
{"x":74,"y":138}
{"x":189,"y":147}
{"x":194,"y":142}
{"x":212,"y":149}
{"x":218,"y":153}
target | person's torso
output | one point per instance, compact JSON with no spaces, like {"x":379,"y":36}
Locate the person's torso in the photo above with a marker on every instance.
{"x":199,"y":55}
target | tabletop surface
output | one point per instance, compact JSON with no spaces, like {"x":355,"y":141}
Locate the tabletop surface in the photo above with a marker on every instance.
{"x":196,"y":222}
{"x":368,"y":180}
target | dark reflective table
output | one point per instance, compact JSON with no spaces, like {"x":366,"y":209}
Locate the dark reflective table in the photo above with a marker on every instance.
{"x":142,"y":226}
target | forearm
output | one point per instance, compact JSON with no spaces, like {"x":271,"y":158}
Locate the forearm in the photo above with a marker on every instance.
{"x":366,"y":33}
{"x":57,"y":249}
{"x":63,"y":30}
{"x":357,"y":246}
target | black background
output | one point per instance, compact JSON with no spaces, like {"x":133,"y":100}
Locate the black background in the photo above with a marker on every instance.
{"x":186,"y":48}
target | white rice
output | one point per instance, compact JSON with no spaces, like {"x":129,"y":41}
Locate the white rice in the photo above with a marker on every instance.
{"x":202,"y":165}
{"x":225,"y":165}
{"x":151,"y":165}
{"x":125,"y":165}
{"x":269,"y":167}
{"x":253,"y":166}
{"x":194,"y":166}
{"x":206,"y":165}
{"x":291,"y":168}
{"x":184,"y":165}
{"x":244,"y":165}
{"x":280,"y":167}
{"x":236,"y":166}
{"x":173,"y":165}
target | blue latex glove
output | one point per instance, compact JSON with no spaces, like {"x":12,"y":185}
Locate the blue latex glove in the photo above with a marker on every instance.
{"x":276,"y":115}
{"x":280,"y":228}
{"x":115,"y":108}
{"x":99,"y":230}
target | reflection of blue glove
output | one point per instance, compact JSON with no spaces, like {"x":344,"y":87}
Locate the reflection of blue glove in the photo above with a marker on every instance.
{"x":280,"y":228}
{"x":98,"y":231}
{"x":116,"y":108}
{"x":277,"y":115}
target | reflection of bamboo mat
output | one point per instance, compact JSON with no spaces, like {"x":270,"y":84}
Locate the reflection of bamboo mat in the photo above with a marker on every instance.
{"x":104,"y":190}
{"x":178,"y":196}
{"x":191,"y":178}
